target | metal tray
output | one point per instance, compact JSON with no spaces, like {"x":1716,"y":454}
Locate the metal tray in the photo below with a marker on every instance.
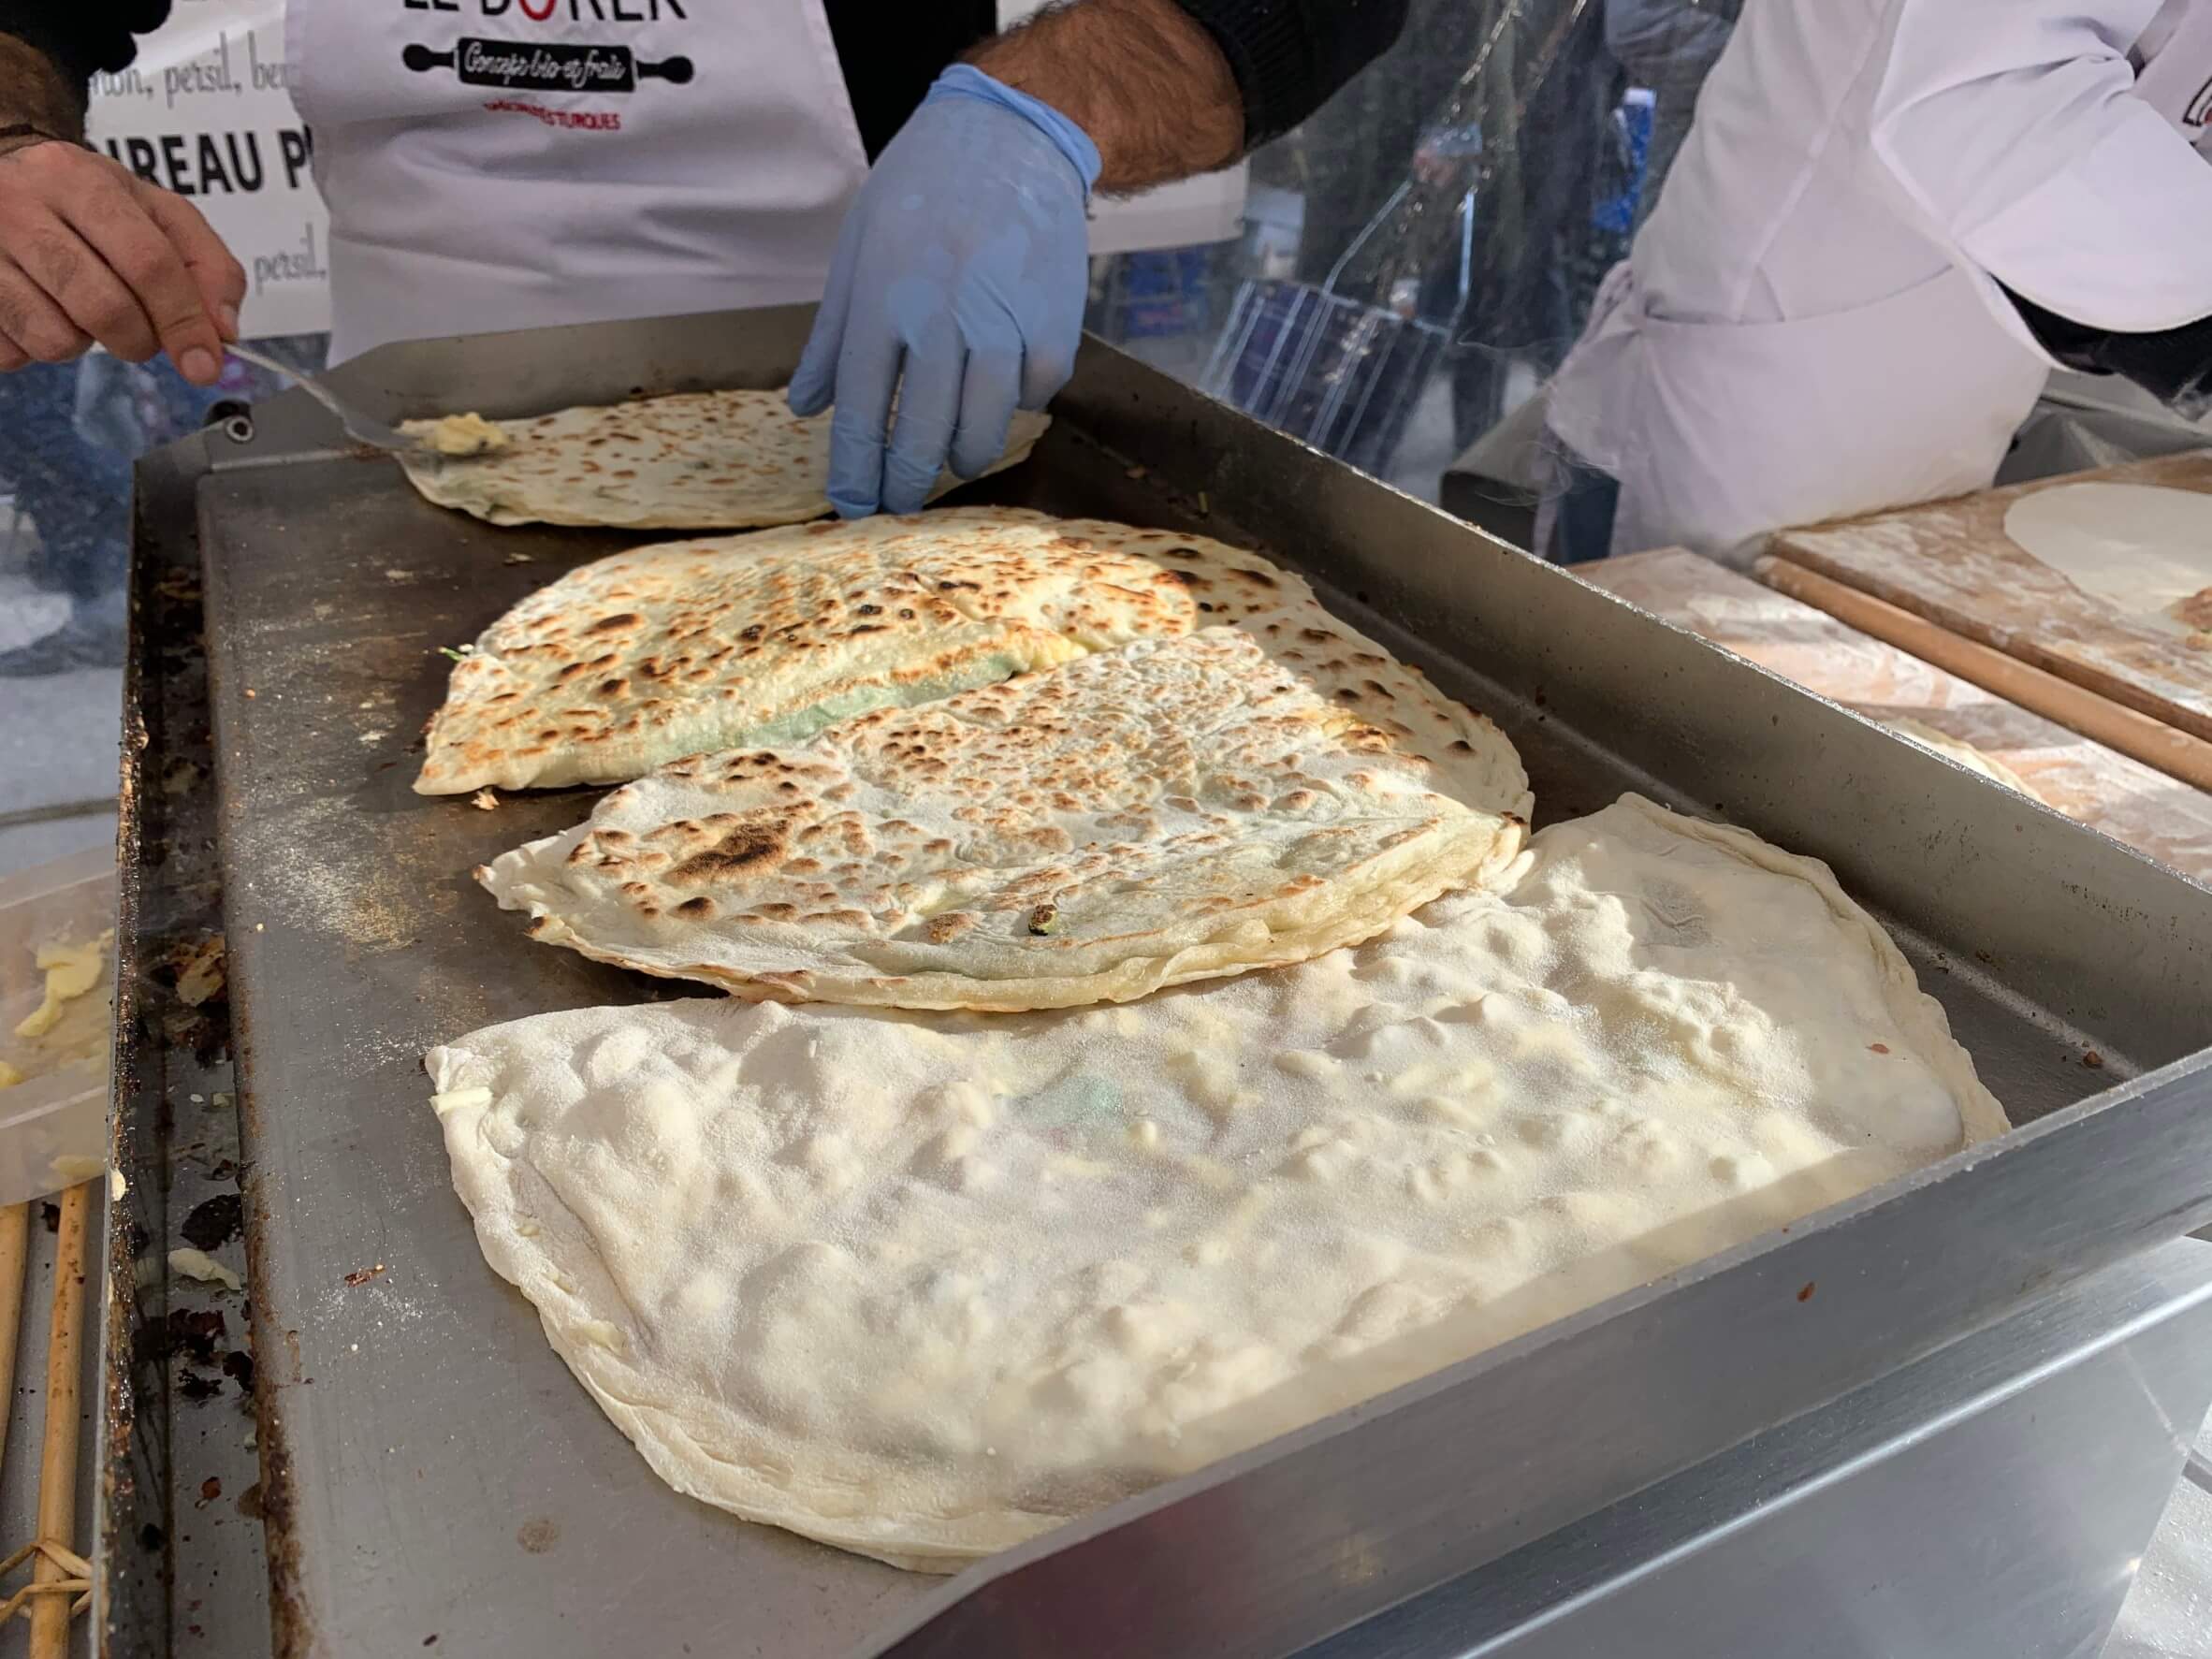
{"x":429,"y":1468}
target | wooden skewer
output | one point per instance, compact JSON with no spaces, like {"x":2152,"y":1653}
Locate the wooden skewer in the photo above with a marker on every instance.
{"x":57,"y":1463}
{"x":2177,"y":753}
{"x":15,"y":1237}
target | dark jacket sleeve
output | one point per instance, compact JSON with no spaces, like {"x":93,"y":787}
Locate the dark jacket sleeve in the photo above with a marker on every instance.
{"x":1289,"y":55}
{"x":83,"y":36}
{"x":2174,"y":364}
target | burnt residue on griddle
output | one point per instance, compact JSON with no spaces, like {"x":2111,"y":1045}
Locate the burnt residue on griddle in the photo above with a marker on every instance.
{"x":50,"y":1213}
{"x":195,"y":969}
{"x":214,"y":1222}
{"x":193,"y":1385}
{"x":239,"y":1366}
{"x":190,"y":1333}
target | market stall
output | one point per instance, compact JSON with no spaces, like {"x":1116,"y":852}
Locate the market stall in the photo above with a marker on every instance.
{"x":1973,"y":1374}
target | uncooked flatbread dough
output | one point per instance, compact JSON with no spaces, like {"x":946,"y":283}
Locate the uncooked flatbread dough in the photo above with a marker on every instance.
{"x":1176,"y":809}
{"x":2142,"y":548}
{"x":1965,"y":753}
{"x":691,"y":461}
{"x":927,"y":1285}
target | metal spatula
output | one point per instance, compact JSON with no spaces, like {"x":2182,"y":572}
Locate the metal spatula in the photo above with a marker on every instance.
{"x":364,"y":427}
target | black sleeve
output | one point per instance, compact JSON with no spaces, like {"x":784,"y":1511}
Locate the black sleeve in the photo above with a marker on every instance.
{"x":2174,"y":364}
{"x":1289,"y":55}
{"x":82,"y":36}
{"x":890,"y":53}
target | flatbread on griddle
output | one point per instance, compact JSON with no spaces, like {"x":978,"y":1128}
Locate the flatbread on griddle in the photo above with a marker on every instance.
{"x":690,"y":460}
{"x":668,"y":651}
{"x":925,"y":1287}
{"x":1176,"y":809}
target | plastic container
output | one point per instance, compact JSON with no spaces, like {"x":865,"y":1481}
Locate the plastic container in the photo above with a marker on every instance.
{"x":53,"y":1125}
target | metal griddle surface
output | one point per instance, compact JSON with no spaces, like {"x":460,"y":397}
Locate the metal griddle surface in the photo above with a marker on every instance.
{"x":433,"y":1469}
{"x":448,"y":1476}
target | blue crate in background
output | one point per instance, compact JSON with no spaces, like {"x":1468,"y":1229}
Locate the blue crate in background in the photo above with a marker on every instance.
{"x":1159,"y":294}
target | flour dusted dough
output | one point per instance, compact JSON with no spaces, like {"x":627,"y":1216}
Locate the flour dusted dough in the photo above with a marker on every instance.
{"x":689,"y":460}
{"x":1965,"y":753}
{"x":2142,"y":548}
{"x":925,"y":1286}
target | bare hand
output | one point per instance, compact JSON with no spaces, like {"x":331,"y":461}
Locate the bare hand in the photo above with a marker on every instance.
{"x":90,"y":252}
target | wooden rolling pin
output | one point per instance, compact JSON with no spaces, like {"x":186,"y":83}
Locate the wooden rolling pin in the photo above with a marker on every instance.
{"x":2139,"y":736}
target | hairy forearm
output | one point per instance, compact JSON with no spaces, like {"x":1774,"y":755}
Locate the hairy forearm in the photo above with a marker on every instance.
{"x":34,"y":92}
{"x":1144,"y":81}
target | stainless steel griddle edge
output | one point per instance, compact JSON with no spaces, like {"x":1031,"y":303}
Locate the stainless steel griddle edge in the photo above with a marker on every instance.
{"x":442,"y":1475}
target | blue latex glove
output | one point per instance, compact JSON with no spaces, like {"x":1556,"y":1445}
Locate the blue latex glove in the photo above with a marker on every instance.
{"x":959,"y":283}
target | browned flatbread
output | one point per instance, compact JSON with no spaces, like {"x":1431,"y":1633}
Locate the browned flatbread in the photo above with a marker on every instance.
{"x":690,"y":460}
{"x":1176,"y":809}
{"x":671,"y":649}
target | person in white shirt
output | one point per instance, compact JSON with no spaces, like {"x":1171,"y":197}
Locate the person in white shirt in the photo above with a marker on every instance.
{"x":1889,"y":220}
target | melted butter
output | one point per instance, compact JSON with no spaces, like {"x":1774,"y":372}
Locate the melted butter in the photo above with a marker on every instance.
{"x":198,"y":1264}
{"x":71,"y":971}
{"x":466,"y":435}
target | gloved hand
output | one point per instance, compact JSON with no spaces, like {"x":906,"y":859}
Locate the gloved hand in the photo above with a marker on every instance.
{"x":959,"y":283}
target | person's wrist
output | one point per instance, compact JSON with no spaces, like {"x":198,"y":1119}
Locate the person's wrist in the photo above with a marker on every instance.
{"x":26,"y":135}
{"x":37,"y":93}
{"x":964,"y":80}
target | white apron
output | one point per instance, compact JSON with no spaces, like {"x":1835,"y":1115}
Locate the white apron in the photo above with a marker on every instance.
{"x":1795,"y":337}
{"x":2174,"y":69}
{"x":515,"y":164}
{"x":1720,"y":433}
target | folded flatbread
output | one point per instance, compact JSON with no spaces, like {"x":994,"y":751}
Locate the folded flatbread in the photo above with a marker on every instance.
{"x":925,"y":1286}
{"x":690,"y":460}
{"x":668,"y":651}
{"x":1173,"y":811}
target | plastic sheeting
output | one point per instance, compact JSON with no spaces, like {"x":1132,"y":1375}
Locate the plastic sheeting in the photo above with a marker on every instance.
{"x":1423,"y":252}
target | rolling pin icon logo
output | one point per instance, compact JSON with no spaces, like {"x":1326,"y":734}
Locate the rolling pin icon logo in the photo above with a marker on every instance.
{"x":557,"y":67}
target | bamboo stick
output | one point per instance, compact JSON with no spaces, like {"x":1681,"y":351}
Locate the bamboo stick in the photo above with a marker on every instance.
{"x":15,"y":1257}
{"x":57,"y":1463}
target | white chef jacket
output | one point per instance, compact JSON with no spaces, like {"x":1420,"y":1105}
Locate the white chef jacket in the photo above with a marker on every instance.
{"x":2040,"y":143}
{"x":1808,"y":324}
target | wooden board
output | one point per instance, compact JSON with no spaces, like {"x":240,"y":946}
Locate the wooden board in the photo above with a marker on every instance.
{"x":1952,"y":562}
{"x":2156,"y":814}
